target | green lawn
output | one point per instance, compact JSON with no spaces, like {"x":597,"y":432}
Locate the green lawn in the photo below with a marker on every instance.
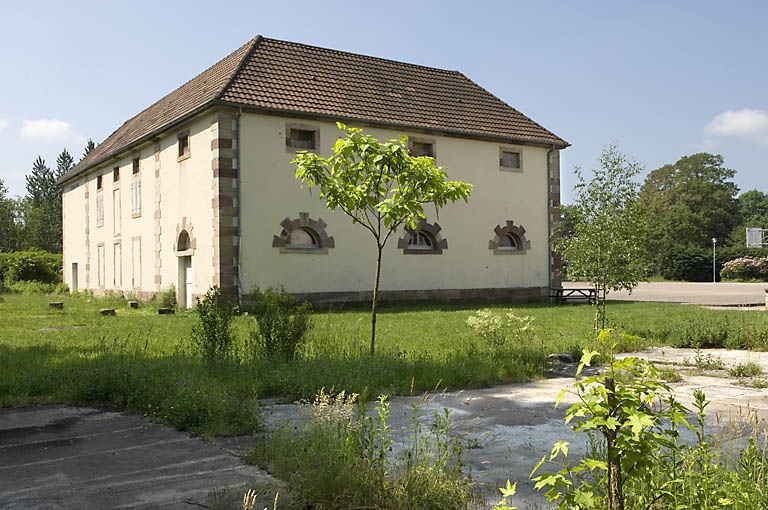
{"x":145,"y":363}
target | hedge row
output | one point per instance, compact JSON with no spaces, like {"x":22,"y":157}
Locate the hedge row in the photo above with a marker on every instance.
{"x":30,"y":266}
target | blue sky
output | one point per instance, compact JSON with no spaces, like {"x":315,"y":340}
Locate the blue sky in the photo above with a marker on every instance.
{"x":661,"y":79}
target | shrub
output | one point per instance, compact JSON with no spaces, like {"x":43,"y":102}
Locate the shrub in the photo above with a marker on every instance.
{"x":30,"y":266}
{"x":690,"y":264}
{"x":167,"y":298}
{"x":499,"y":330}
{"x":746,"y":268}
{"x":213,"y":332}
{"x":283,"y":323}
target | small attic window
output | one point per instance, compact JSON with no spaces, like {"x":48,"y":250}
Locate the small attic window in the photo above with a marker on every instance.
{"x":510,"y":159}
{"x":302,"y":138}
{"x":135,"y":167}
{"x":421,"y":147}
{"x":183,"y":138}
{"x":99,"y":182}
{"x":116,"y":174}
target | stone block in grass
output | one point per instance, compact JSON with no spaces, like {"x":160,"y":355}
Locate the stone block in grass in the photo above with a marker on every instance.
{"x":165,"y":311}
{"x":133,"y":304}
{"x":107,"y":311}
{"x":58,"y":305}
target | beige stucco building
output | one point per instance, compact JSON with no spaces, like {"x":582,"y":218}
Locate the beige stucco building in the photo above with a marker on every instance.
{"x":198,"y":190}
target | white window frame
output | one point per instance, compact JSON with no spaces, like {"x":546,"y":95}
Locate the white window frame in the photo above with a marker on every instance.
{"x":99,"y":209}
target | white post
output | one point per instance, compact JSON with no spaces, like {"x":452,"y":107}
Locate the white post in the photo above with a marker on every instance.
{"x":714,"y":263}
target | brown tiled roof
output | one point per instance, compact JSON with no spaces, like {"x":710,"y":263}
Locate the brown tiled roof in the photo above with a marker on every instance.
{"x":291,"y":78}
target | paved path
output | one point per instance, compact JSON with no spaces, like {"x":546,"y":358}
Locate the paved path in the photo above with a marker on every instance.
{"x":715,"y":294}
{"x":60,"y":457}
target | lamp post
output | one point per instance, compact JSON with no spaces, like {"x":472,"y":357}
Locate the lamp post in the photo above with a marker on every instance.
{"x":714,"y":263}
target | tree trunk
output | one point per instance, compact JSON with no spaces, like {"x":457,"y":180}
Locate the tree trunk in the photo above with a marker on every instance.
{"x":615,"y":488}
{"x":375,"y":298}
{"x":596,"y":324}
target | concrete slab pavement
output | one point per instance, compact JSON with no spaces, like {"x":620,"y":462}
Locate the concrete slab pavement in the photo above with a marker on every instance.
{"x":60,"y":457}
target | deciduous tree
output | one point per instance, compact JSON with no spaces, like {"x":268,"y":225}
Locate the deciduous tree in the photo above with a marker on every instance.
{"x":687,"y":204}
{"x":606,"y":246}
{"x":380,"y":186}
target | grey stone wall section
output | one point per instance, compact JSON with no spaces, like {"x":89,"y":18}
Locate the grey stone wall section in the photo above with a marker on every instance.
{"x":158,"y":226}
{"x":554,"y":216}
{"x":224,"y":172}
{"x":498,"y":295}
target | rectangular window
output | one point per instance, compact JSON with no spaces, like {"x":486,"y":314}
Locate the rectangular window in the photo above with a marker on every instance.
{"x":136,"y":263}
{"x":136,"y":198}
{"x":183,"y":145}
{"x":420,"y":147}
{"x":510,"y":159}
{"x":101,"y":264}
{"x":116,"y":211}
{"x":135,"y":166}
{"x":116,"y":174}
{"x":118,"y":269}
{"x":99,"y":183}
{"x":301,"y":138}
{"x":99,"y":209}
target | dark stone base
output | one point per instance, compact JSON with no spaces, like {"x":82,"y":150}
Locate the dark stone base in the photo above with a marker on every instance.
{"x":454,"y":296}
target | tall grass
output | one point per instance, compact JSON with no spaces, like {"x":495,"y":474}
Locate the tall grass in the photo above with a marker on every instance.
{"x":146,"y":363}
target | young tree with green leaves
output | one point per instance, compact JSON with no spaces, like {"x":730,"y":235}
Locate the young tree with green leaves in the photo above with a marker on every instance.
{"x":606,"y":246}
{"x":380,"y":186}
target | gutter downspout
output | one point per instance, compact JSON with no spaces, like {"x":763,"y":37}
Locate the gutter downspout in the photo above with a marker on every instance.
{"x":549,"y":221}
{"x":239,"y":209}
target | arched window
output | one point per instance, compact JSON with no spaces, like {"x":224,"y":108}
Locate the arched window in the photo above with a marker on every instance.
{"x":303,"y":235}
{"x":509,"y":239}
{"x":183,"y":243}
{"x":421,"y":240}
{"x":424,"y":239}
{"x":302,"y":238}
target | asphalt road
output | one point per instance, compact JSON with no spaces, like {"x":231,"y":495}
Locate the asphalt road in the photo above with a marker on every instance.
{"x":714,"y":294}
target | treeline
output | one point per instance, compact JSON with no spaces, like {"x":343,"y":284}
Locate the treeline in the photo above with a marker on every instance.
{"x":34,"y":220}
{"x":682,"y":207}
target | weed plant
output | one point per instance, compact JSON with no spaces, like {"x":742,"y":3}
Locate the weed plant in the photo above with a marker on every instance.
{"x":636,"y":457}
{"x":283,"y":324}
{"x":212,"y":333}
{"x":340,"y":456}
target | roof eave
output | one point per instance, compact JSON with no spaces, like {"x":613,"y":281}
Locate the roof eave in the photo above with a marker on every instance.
{"x":561,"y":144}
{"x":137,"y":142}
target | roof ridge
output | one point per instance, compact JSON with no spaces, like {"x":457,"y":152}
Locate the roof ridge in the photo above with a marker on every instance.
{"x":342,"y":52}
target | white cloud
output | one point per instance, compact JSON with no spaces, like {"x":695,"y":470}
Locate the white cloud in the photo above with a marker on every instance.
{"x":3,"y":124}
{"x":49,"y":130}
{"x":746,"y":123}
